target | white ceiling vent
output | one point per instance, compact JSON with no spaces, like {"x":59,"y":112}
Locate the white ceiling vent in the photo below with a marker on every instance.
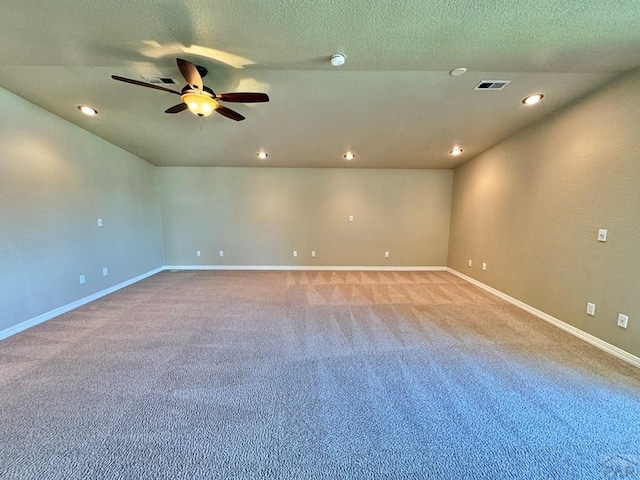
{"x":159,"y":80}
{"x":492,"y":84}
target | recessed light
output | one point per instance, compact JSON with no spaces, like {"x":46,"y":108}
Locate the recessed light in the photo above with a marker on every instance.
{"x":456,"y":151}
{"x":87,"y":110}
{"x":532,"y":99}
{"x":349,"y":156}
{"x":456,"y":72}
{"x":262,"y":155}
{"x":337,"y":60}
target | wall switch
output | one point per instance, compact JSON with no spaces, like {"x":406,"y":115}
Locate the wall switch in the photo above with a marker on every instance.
{"x":484,"y":265}
{"x":295,"y":253}
{"x":82,"y":280}
{"x":100,"y":223}
{"x":105,"y":271}
{"x":591,"y":309}
{"x":221,"y":253}
{"x":386,"y":254}
{"x":471,"y":263}
{"x":623,"y":320}
{"x":313,"y":253}
{"x":602,"y":235}
{"x":351,"y":218}
{"x":197,"y":253}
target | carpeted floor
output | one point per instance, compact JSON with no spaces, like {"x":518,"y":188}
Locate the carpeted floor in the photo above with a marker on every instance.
{"x":304,"y":375}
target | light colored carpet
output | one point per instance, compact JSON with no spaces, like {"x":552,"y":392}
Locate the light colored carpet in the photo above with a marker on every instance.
{"x":287,"y":375}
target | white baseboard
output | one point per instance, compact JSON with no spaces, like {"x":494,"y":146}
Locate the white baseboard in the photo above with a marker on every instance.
{"x":595,"y":341}
{"x":7,"y":332}
{"x":306,"y":267}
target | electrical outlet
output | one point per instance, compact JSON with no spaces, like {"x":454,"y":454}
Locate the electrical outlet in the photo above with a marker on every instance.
{"x":313,"y":254}
{"x":471,"y":263}
{"x":198,"y":253}
{"x":221,"y":253}
{"x":386,"y":254}
{"x":351,"y":218}
{"x":83,"y":280}
{"x":484,"y":265}
{"x":591,"y":309}
{"x":623,"y":320}
{"x":602,"y":235}
{"x":100,"y":223}
{"x":295,"y":253}
{"x":105,"y":272}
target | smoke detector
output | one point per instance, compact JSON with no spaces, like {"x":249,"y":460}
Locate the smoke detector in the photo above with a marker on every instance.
{"x":456,"y":72}
{"x":337,"y":60}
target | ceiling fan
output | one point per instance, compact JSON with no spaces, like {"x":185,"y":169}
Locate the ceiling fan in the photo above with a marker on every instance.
{"x":199,"y":98}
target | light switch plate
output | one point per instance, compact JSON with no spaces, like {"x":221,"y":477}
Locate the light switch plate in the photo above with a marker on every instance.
{"x":602,"y":234}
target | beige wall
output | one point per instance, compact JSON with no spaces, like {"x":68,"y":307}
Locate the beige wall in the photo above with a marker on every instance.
{"x":56,"y":180}
{"x":258,"y":216}
{"x":531,"y":207}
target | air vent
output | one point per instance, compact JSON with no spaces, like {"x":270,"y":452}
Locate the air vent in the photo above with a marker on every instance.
{"x":492,"y":84}
{"x":157,"y":80}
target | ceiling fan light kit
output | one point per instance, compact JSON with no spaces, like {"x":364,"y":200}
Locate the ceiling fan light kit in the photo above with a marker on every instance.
{"x":200,"y":104}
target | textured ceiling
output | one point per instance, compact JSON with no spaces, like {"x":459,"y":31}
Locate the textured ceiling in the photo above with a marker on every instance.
{"x":393,"y":103}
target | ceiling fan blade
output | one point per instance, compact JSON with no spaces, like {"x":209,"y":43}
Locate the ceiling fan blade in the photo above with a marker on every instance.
{"x":227,"y":112}
{"x":177,"y":108}
{"x":190,"y":74}
{"x":243,"y":97}
{"x":143,"y":84}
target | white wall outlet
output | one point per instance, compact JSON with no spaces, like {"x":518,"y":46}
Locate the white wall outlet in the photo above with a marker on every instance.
{"x":602,"y":235}
{"x":295,"y":253}
{"x":471,"y":263}
{"x":105,"y":272}
{"x":198,"y":253}
{"x":100,"y":223}
{"x":591,"y":309}
{"x":83,"y":280}
{"x":623,"y":320}
{"x":351,"y":218}
{"x":313,"y":254}
{"x":221,"y":253}
{"x":484,"y":265}
{"x":386,"y":254}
